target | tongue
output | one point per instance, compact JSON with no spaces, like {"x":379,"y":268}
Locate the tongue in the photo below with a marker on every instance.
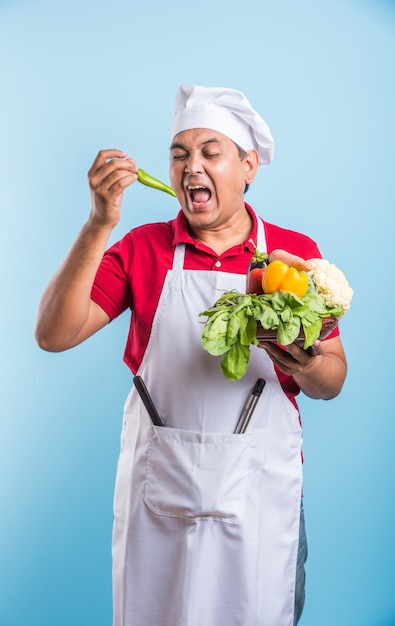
{"x":201,"y":195}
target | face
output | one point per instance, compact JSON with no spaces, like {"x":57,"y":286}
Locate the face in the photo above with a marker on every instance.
{"x":209,"y":177}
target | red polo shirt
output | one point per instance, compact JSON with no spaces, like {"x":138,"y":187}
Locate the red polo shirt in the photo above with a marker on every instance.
{"x":133,"y":270}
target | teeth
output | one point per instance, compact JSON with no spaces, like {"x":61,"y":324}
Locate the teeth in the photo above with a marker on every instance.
{"x":190,"y":187}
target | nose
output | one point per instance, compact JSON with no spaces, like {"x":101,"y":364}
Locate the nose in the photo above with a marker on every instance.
{"x":194,"y":164}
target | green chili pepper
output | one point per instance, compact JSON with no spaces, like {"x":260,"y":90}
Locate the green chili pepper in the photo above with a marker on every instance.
{"x":150,"y":181}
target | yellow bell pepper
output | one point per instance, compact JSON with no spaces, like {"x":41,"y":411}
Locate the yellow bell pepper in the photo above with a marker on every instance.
{"x":280,"y":276}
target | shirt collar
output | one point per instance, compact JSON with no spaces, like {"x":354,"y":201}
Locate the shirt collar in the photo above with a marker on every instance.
{"x":181,"y":232}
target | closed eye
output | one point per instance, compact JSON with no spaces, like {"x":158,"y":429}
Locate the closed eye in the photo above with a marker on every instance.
{"x":211,"y":155}
{"x":179,"y":157}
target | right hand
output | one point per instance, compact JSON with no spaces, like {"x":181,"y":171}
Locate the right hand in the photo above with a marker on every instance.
{"x":111,"y":173}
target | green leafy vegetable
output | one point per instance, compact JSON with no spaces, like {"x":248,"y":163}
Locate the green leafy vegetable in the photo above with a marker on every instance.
{"x":231,"y":324}
{"x":235,"y":361}
{"x":259,"y":257}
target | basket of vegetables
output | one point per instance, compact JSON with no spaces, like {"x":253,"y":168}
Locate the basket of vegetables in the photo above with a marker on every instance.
{"x":287,"y":300}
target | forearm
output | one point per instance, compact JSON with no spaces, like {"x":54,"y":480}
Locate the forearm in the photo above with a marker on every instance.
{"x":324,"y":378}
{"x":66,"y":302}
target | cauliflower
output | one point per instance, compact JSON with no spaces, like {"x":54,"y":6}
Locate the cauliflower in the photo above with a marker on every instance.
{"x":330,"y":283}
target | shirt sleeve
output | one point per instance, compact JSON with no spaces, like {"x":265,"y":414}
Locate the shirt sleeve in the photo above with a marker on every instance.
{"x":111,"y":289}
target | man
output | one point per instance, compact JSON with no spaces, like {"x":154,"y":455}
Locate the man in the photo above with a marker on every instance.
{"x":207,"y":526}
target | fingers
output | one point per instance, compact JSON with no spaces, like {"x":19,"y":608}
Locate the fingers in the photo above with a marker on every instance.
{"x":316,"y":348}
{"x":102,"y":158}
{"x":112,"y":172}
{"x":290,"y":259}
{"x":278,"y":355}
{"x":291,"y":359}
{"x":111,"y":180}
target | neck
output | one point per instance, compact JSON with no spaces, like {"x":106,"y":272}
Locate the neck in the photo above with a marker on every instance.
{"x":226,"y":236}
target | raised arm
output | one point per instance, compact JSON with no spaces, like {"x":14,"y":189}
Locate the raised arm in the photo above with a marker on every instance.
{"x":66,"y":314}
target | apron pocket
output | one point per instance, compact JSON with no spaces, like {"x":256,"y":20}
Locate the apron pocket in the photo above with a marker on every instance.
{"x":197,"y":476}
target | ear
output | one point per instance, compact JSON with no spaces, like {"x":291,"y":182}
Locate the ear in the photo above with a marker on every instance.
{"x":251,"y":165}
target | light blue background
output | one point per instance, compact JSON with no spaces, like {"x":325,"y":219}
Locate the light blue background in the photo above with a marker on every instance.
{"x":83,"y":75}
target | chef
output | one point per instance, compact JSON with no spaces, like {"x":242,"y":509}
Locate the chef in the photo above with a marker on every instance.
{"x":208,"y":524}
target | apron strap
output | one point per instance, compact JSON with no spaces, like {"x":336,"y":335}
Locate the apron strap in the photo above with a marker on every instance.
{"x":178,"y":259}
{"x":261,"y":239}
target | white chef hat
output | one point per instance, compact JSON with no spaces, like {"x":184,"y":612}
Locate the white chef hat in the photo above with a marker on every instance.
{"x":227,"y":111}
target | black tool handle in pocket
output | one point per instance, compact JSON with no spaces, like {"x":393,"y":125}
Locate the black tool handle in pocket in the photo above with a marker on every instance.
{"x":249,"y":406}
{"x":147,"y":400}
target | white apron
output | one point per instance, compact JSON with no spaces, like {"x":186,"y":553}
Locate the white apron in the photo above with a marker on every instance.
{"x":206,"y":522}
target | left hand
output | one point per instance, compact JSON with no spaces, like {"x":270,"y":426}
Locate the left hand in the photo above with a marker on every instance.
{"x":319,"y":371}
{"x":292,"y":359}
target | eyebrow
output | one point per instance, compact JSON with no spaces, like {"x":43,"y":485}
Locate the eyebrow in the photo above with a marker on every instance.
{"x":204,"y":143}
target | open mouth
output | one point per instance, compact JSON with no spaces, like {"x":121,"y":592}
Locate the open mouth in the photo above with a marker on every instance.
{"x":199,"y":194}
